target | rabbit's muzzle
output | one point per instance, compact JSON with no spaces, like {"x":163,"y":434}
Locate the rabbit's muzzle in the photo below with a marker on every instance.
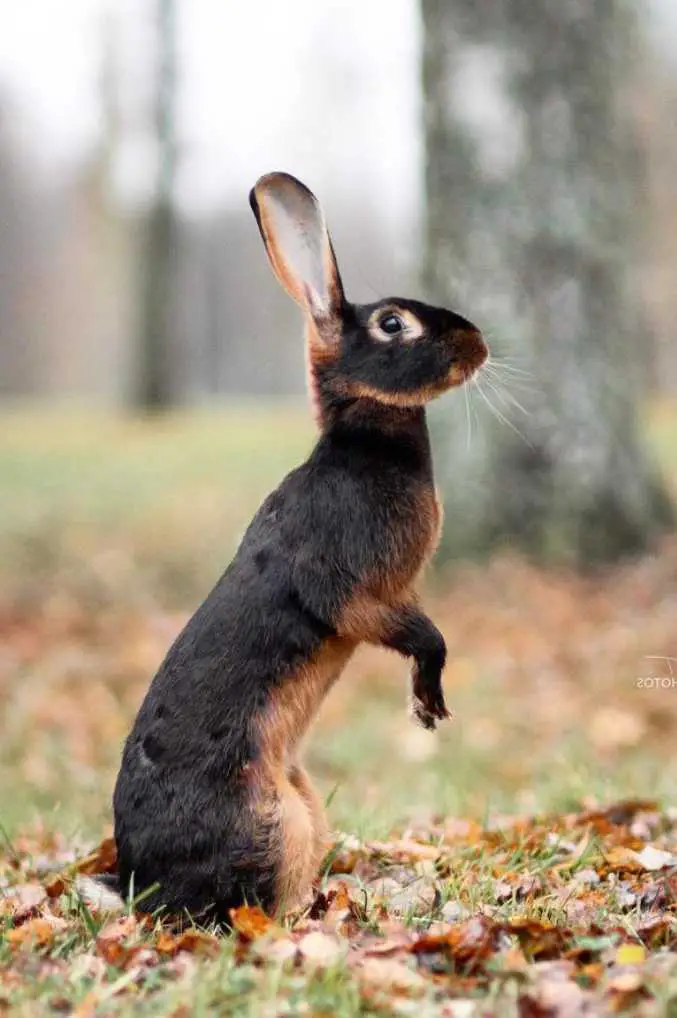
{"x":469,"y":352}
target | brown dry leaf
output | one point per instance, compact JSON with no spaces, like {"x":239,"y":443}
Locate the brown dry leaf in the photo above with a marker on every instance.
{"x":36,"y":932}
{"x":193,"y":941}
{"x":109,"y":941}
{"x":397,"y":942}
{"x":56,"y":886}
{"x":114,"y":952}
{"x":539,"y":939}
{"x":23,"y":901}
{"x":348,"y":851}
{"x":622,"y":860}
{"x":102,"y":860}
{"x":658,"y":931}
{"x":470,"y":943}
{"x":118,"y":929}
{"x":339,"y":898}
{"x":392,"y":977}
{"x":251,"y":922}
{"x":404,"y":850}
{"x":513,"y":960}
{"x":344,"y":914}
{"x":620,"y":813}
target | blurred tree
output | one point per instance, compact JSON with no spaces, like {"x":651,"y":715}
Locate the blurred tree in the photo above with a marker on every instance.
{"x":534,"y":204}
{"x":156,"y":389}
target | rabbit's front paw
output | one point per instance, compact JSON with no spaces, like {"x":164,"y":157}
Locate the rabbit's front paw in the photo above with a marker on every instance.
{"x":427,"y":704}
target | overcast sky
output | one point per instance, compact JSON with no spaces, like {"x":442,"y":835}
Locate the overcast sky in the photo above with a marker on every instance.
{"x":326,"y":90}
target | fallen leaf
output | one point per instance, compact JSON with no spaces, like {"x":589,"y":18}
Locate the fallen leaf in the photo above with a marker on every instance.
{"x":630,"y":954}
{"x":416,"y":899}
{"x":23,"y":901}
{"x":453,"y":912}
{"x":251,"y":922}
{"x":320,"y":949}
{"x":56,"y":886}
{"x":37,"y":932}
{"x":279,"y":951}
{"x":538,"y":938}
{"x":470,"y":942}
{"x":653,"y":859}
{"x":192,"y":941}
{"x":403,"y":850}
{"x":102,"y":860}
{"x":393,"y":977}
{"x":118,"y":930}
{"x":110,"y":941}
{"x":626,"y":982}
{"x":622,"y":860}
{"x":562,"y":998}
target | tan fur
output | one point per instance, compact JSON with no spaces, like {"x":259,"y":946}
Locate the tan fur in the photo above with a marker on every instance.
{"x":287,"y":793}
{"x":297,"y":868}
{"x":418,"y":397}
{"x":321,"y":349}
{"x":369,"y":614}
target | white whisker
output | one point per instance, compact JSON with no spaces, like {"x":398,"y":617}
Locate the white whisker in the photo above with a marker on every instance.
{"x":503,"y":365}
{"x":504,"y":394}
{"x":501,"y":417}
{"x":468,"y":421}
{"x":522,"y":383}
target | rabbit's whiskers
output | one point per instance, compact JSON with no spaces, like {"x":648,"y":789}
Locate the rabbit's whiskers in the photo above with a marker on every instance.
{"x":499,"y":415}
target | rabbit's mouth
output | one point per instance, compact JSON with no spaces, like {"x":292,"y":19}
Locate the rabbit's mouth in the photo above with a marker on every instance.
{"x":470,"y":353}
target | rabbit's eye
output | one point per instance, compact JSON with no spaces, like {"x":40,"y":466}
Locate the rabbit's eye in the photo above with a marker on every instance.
{"x":391,"y":324}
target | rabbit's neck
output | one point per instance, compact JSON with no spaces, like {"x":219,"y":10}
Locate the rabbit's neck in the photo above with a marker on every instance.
{"x":369,"y":417}
{"x":333,"y":410}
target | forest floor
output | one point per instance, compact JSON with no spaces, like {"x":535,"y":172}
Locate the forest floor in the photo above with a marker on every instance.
{"x":522,"y":860}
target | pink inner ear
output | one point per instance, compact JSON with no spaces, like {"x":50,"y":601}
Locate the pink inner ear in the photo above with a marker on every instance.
{"x":298,"y":242}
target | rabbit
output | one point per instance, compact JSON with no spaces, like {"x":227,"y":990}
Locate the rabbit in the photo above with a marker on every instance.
{"x":212,"y":805}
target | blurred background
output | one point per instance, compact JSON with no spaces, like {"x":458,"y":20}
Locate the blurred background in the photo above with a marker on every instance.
{"x":516,"y":162}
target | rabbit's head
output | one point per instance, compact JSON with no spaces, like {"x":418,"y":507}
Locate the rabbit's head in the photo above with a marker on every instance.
{"x":395,"y":351}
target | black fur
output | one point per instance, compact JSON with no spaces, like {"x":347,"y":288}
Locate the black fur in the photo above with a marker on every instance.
{"x":395,"y":367}
{"x":181,"y":795}
{"x":184,"y":802}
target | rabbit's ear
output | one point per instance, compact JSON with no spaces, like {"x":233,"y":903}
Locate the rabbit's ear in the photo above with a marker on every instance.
{"x":295,"y":235}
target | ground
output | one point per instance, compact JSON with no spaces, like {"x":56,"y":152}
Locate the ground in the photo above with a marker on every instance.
{"x":525,"y":856}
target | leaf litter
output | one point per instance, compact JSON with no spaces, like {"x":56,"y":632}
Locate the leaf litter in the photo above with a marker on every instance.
{"x":555,"y":941}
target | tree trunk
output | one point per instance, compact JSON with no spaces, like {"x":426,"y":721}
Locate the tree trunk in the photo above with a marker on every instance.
{"x":156,"y":388}
{"x":533,"y":207}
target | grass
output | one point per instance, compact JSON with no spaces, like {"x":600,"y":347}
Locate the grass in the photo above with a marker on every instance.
{"x":113,"y":530}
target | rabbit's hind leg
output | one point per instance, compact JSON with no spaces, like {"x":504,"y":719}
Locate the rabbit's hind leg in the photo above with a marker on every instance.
{"x":301,"y":781}
{"x":299,"y":857}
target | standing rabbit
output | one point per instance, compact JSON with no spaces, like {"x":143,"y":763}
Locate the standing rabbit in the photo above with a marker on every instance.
{"x":212,"y":805}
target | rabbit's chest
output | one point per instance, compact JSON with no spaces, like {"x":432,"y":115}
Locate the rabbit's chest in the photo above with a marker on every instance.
{"x":414,"y":536}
